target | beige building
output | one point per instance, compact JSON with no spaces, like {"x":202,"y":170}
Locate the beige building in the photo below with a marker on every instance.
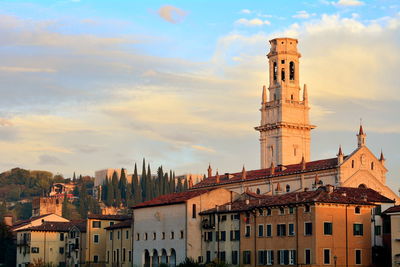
{"x":46,"y":205}
{"x":96,"y":236}
{"x":36,"y":221}
{"x":392,"y":216}
{"x":167,"y":229}
{"x":57,"y":243}
{"x":119,"y":244}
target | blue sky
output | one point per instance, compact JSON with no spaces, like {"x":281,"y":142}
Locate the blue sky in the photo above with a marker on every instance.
{"x":87,"y":85}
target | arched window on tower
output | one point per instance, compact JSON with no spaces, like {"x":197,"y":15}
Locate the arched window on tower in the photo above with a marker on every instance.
{"x":291,"y":70}
{"x":283,"y":74}
{"x":287,"y":188}
{"x":275,"y":71}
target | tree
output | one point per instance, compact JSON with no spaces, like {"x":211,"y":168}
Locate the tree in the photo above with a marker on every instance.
{"x":149,"y":184}
{"x":66,"y":211}
{"x":7,"y":247}
{"x":137,"y":192}
{"x":185,"y":185}
{"x":179,"y":186}
{"x":83,"y":200}
{"x":117,"y":192}
{"x":143,"y":181}
{"x":123,"y":183}
{"x":110,"y":193}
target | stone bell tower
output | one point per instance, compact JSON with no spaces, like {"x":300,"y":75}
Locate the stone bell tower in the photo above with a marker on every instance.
{"x":285,"y":127}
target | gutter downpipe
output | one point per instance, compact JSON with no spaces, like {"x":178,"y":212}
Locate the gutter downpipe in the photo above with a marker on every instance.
{"x":255,"y":239}
{"x":297,"y":236}
{"x":347,"y":241}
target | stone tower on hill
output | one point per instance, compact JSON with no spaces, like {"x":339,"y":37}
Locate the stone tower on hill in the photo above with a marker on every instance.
{"x":285,"y":127}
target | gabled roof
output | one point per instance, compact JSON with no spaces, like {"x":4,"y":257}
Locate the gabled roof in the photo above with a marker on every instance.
{"x":52,"y":227}
{"x":370,"y":194}
{"x":253,"y":175}
{"x":174,"y":198}
{"x":321,"y":195}
{"x":124,"y":224}
{"x":392,"y":209}
{"x":108,"y":217}
{"x":22,"y":223}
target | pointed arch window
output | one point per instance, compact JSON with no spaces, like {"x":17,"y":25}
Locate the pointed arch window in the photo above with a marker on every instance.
{"x":275,"y":70}
{"x":283,"y":74}
{"x":291,"y":70}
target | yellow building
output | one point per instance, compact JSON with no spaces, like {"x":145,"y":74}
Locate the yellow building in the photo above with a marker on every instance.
{"x":325,"y":227}
{"x":96,"y":236}
{"x":119,"y":244}
{"x":57,"y":243}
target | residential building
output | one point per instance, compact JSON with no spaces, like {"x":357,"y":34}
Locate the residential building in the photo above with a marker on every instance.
{"x":167,"y":229}
{"x":96,"y":236}
{"x":56,"y":243}
{"x":37,"y":220}
{"x":391,"y":231}
{"x":119,"y":244}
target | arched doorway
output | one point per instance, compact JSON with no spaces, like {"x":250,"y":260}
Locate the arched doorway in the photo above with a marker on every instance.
{"x":164,"y":257}
{"x":362,"y":186}
{"x":146,"y":258}
{"x":154,"y":262}
{"x":172,"y":258}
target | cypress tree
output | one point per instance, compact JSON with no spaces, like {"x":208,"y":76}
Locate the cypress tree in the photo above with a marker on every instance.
{"x":117,"y":192}
{"x":110,"y":193}
{"x":123,"y":182}
{"x":143,"y":181}
{"x":185,"y":185}
{"x":66,"y":211}
{"x":83,"y":200}
{"x":149,"y":184}
{"x":179,"y":186}
{"x":166,"y":183}
{"x":137,"y":192}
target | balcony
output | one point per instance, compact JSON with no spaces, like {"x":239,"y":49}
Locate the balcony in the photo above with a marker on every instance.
{"x":23,"y":242}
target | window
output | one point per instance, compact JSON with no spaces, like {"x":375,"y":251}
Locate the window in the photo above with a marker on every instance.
{"x":307,"y":256}
{"x":352,"y":163}
{"x":281,"y":211}
{"x":378,"y":210}
{"x":282,"y":61}
{"x":307,"y":208}
{"x":235,"y":255}
{"x":281,"y":229}
{"x":292,"y":257}
{"x":96,"y":224}
{"x":163,"y":235}
{"x":130,"y":256}
{"x":291,"y":70}
{"x":358,"y":256}
{"x":275,"y":70}
{"x":111,"y":223}
{"x":247,"y":231}
{"x":260,"y":257}
{"x":123,"y":254}
{"x":235,"y":216}
{"x":372,"y":165}
{"x":288,"y":186}
{"x":194,"y":211}
{"x":291,"y":210}
{"x":260,"y":212}
{"x":246,"y":257}
{"x":269,"y":212}
{"x":35,"y":250}
{"x":154,"y":236}
{"x":61,"y":250}
{"x":283,"y":257}
{"x":358,"y":229}
{"x":328,"y":228}
{"x":357,"y":210}
{"x":118,"y":235}
{"x":291,"y":229}
{"x":96,"y":238}
{"x":308,"y":228}
{"x":95,"y":258}
{"x":283,"y":74}
{"x":260,"y":230}
{"x":145,"y":236}
{"x":172,"y":235}
{"x":222,"y":256}
{"x":327,"y":256}
{"x":235,"y":235}
{"x":111,"y":235}
{"x":223,"y":236}
{"x":61,"y":236}
{"x":222,"y":218}
{"x":269,"y":257}
{"x":209,"y":236}
{"x":258,"y":191}
{"x":378,"y":230}
{"x":108,"y":256}
{"x":208,"y":256}
{"x":269,"y":230}
{"x":127,"y":234}
{"x":137,"y":236}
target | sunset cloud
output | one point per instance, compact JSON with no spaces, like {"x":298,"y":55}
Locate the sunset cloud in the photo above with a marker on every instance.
{"x":172,"y":14}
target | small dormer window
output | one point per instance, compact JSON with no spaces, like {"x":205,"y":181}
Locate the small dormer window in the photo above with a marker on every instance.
{"x":357,"y":210}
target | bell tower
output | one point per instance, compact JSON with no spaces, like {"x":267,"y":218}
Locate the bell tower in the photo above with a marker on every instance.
{"x":285,"y":127}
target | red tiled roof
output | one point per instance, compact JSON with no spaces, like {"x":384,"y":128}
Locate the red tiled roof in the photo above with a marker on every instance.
{"x":370,"y":194}
{"x":21,"y":223}
{"x":266,"y":173}
{"x":124,"y":224}
{"x":392,"y":209}
{"x":320,"y":195}
{"x":169,"y":199}
{"x":52,"y":227}
{"x":108,"y":217}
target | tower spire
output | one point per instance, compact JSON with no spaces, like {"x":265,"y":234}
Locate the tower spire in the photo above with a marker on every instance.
{"x":209,"y":171}
{"x":339,"y":155}
{"x":361,"y":136}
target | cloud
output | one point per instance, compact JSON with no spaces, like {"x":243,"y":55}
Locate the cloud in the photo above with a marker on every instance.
{"x":245,"y":11}
{"x":303,"y":14}
{"x":4,"y":122}
{"x":203,"y":148}
{"x":172,"y":14}
{"x":348,"y":3}
{"x":49,"y":160}
{"x":25,"y":69}
{"x":252,"y":22}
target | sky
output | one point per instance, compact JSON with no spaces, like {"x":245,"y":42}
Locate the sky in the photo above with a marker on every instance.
{"x":89,"y":84}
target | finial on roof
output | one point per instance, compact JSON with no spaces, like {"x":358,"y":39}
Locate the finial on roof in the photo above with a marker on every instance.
{"x":209,"y":170}
{"x":272,"y":168}
{"x":361,"y":136}
{"x":244,"y":173}
{"x":340,"y":151}
{"x":217,"y":176}
{"x":278,"y":187}
{"x":340,"y":155}
{"x":361,"y":131}
{"x":382,"y":158}
{"x":303,"y":163}
{"x":264,"y":94}
{"x":190,"y":181}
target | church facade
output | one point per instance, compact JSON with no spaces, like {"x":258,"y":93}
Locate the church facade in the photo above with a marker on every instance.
{"x":285,"y":142}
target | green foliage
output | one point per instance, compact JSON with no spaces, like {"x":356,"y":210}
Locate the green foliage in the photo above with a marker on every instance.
{"x":23,"y":211}
{"x":7,"y":247}
{"x":189,"y":262}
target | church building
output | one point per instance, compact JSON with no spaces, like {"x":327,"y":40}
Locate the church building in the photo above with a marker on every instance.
{"x":285,"y":142}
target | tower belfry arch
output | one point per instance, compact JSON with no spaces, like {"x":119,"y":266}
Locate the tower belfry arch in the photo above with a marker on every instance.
{"x":285,"y":127}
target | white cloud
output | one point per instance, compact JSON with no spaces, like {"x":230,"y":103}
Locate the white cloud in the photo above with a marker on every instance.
{"x":245,"y":11}
{"x":172,"y":14}
{"x":25,"y":69}
{"x":303,"y":14}
{"x":252,"y":22}
{"x":348,"y":3}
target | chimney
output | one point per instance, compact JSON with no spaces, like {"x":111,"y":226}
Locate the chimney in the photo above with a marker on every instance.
{"x":278,"y":189}
{"x":217,"y":177}
{"x":340,"y":156}
{"x":190,"y":182}
{"x":303,"y":163}
{"x":247,"y":201}
{"x":8,"y":219}
{"x":209,"y":171}
{"x":272,"y":168}
{"x":243,"y":173}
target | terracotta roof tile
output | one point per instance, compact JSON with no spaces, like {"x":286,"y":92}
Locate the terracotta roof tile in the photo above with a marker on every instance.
{"x":52,"y":227}
{"x":392,"y":209}
{"x":124,"y":224}
{"x":370,"y":194}
{"x":169,"y":199}
{"x":266,"y":173}
{"x":108,"y":217}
